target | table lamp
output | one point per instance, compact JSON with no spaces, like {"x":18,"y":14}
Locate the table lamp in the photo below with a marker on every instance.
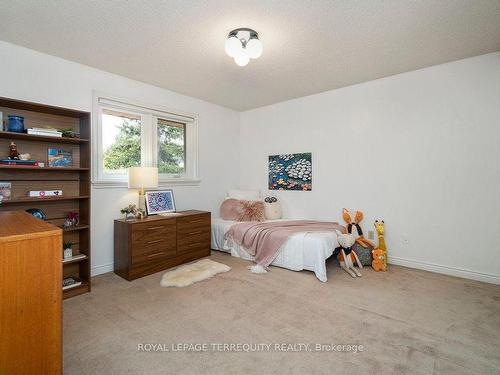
{"x":142,"y":178}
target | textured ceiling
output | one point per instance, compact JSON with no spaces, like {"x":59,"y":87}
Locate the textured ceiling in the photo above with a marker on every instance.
{"x":309,"y":46}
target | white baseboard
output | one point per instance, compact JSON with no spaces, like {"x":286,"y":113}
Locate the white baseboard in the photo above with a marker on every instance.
{"x":411,"y":263}
{"x":452,"y":271}
{"x":104,"y":268}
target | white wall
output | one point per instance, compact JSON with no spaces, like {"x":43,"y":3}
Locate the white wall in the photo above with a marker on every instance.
{"x":419,"y":150}
{"x":32,"y":76}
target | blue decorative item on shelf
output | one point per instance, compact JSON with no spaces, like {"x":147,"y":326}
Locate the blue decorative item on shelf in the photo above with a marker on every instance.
{"x":16,"y":124}
{"x":37,"y":212}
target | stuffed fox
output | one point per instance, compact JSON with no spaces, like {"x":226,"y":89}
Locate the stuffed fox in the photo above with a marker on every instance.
{"x":354,"y":227}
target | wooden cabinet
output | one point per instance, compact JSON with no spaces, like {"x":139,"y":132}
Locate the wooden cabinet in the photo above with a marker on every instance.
{"x":30,"y":295}
{"x":155,"y":243}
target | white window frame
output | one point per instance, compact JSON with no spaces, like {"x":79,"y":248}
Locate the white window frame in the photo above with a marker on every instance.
{"x":149,"y":144}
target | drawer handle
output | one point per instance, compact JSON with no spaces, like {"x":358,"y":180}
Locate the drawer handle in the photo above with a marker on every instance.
{"x":196,"y":221}
{"x":197,"y":232}
{"x":155,"y":254}
{"x":155,"y":241}
{"x":195,"y":244}
{"x":155,"y":228}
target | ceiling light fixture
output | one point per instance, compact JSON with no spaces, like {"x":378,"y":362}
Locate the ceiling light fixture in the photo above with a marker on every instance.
{"x":242,"y":45}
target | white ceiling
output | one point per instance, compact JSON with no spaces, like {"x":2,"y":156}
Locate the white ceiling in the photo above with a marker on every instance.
{"x":309,"y":46}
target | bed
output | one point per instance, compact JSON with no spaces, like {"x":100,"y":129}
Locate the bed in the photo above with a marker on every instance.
{"x":302,"y":251}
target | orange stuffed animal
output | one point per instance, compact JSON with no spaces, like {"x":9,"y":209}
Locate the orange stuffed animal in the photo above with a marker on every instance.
{"x":354,"y":227}
{"x":378,"y":260}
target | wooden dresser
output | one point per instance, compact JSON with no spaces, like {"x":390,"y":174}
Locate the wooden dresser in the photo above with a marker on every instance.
{"x":152,"y":244}
{"x":30,"y":295}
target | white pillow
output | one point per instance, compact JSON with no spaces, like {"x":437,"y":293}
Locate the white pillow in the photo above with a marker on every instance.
{"x":272,"y":210}
{"x":248,"y":195}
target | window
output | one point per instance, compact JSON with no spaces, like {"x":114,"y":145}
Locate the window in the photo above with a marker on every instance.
{"x":133,"y":135}
{"x":121,"y":141}
{"x":171,"y":138}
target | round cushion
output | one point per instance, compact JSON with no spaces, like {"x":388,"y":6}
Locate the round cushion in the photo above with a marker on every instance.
{"x":272,"y":210}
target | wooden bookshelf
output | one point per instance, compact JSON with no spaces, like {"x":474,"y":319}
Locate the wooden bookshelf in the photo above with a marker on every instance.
{"x":74,"y":181}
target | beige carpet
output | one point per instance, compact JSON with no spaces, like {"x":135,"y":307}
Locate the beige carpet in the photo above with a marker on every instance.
{"x":409,"y":322}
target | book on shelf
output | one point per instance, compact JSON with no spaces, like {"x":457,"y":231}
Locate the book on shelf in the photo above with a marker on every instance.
{"x":74,"y":257}
{"x":45,"y":132}
{"x":71,"y":282}
{"x":29,"y":163}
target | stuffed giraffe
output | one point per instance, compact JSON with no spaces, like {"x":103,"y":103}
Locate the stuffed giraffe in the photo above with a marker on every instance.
{"x":379,"y":227}
{"x":354,"y":227}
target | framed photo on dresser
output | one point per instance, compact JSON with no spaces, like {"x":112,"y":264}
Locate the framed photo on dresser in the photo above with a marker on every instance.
{"x":160,"y":202}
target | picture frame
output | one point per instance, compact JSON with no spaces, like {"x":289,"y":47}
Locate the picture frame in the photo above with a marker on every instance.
{"x":160,"y":201}
{"x":59,"y":158}
{"x":291,"y":172}
{"x":5,"y":191}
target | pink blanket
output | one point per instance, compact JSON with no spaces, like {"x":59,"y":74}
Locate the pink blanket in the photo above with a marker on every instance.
{"x":263,"y":240}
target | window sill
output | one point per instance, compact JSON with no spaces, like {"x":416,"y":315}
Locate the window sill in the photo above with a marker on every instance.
{"x":162,"y":183}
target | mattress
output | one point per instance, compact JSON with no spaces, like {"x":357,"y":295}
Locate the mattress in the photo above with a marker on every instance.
{"x":302,"y":251}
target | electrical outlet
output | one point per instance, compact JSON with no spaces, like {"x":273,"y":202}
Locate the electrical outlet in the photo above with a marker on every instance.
{"x":371,"y":235}
{"x":406,"y":240}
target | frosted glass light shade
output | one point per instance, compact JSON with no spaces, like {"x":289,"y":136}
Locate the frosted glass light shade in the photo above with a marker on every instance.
{"x":233,"y":46}
{"x":242,"y":59}
{"x":254,"y":48}
{"x":142,"y":177}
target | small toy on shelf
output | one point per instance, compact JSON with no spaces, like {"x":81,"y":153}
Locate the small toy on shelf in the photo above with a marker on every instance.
{"x":380,"y":228}
{"x":346,"y":256}
{"x":354,"y":227}
{"x":378,"y":260}
{"x":13,"y":153}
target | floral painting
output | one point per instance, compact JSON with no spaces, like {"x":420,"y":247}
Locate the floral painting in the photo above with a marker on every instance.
{"x":290,"y":172}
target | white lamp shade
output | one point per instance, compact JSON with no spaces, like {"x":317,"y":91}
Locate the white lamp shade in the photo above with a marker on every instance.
{"x":254,"y":48}
{"x":233,"y":46}
{"x":242,"y":59}
{"x":142,"y":177}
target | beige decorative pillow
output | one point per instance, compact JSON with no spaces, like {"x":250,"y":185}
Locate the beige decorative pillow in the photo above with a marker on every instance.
{"x":242,"y":210}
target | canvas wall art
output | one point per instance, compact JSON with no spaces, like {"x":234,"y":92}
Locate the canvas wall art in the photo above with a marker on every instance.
{"x":290,"y":172}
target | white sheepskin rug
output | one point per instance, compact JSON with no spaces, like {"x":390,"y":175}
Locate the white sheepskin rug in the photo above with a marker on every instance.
{"x":191,"y":273}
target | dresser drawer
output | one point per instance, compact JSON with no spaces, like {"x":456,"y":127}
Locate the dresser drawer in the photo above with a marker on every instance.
{"x":154,"y":250}
{"x":193,"y":237}
{"x":193,"y":223}
{"x":145,"y":232}
{"x":189,"y":247}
